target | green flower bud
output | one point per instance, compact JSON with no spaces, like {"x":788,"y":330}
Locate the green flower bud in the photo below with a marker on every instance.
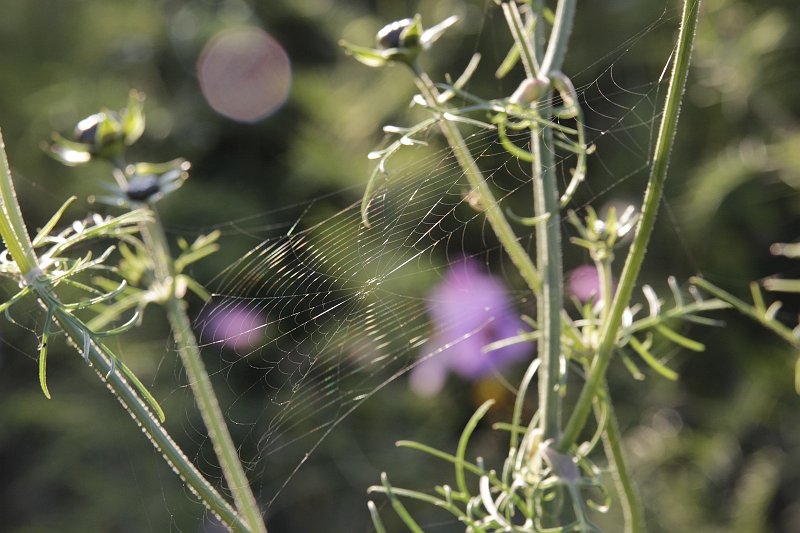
{"x":400,"y":41}
{"x":399,"y":34}
{"x":102,"y":135}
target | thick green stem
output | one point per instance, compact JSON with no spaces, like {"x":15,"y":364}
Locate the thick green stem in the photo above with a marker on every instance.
{"x":494,"y":214}
{"x":157,"y":434}
{"x":199,"y":380}
{"x":551,"y":301}
{"x":18,"y":243}
{"x":546,"y":202}
{"x":644,"y":229}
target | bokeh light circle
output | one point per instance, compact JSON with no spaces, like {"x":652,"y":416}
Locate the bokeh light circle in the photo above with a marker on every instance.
{"x":244,"y":74}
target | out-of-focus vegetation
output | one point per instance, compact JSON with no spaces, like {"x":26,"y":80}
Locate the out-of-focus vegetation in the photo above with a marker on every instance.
{"x":717,"y":451}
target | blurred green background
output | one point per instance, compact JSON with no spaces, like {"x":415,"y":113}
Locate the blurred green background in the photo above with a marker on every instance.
{"x":717,"y":451}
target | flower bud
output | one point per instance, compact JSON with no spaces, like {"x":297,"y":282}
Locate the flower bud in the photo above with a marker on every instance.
{"x":142,"y":188}
{"x":391,"y":35}
{"x":104,"y":134}
{"x":101,"y":133}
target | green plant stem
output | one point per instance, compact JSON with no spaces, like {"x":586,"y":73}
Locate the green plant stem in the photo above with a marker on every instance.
{"x":612,"y":444}
{"x":203,"y":391}
{"x":527,"y":54}
{"x":559,"y":38}
{"x":546,"y":202}
{"x":17,"y":241}
{"x":157,"y":434}
{"x":12,"y":225}
{"x":494,"y":214}
{"x":644,"y":229}
{"x":551,"y":301}
{"x":748,"y":310}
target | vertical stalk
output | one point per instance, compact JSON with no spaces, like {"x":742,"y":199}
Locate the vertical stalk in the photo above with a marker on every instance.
{"x":559,"y":37}
{"x":612,"y":445}
{"x":17,"y":241}
{"x":644,"y":229}
{"x":203,"y":391}
{"x":546,"y":204}
{"x":548,"y":257}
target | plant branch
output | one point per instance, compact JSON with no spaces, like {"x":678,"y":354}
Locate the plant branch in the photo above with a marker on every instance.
{"x":612,"y":445}
{"x":644,"y":229}
{"x":203,"y":391}
{"x":494,"y":214}
{"x":18,"y":243}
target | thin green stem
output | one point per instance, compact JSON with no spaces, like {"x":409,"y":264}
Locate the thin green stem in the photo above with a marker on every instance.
{"x":17,"y":240}
{"x":559,"y":38}
{"x":603,"y":267}
{"x":644,"y":229}
{"x":521,"y":40}
{"x":748,"y":310}
{"x":494,"y":214}
{"x":612,"y":444}
{"x":207,"y":403}
{"x":12,"y":225}
{"x":539,"y":36}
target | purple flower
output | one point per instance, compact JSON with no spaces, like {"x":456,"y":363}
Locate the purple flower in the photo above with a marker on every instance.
{"x":469,"y":310}
{"x":583,"y":283}
{"x":235,"y":326}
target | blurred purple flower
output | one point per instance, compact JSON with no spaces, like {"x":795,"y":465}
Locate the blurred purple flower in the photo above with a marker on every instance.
{"x":469,"y":310}
{"x":234,"y":326}
{"x":583,"y":283}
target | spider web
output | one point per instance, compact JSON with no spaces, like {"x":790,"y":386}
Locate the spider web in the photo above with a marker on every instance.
{"x":339,"y":310}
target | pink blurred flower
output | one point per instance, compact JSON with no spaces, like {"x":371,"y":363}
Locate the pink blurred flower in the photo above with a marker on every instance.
{"x":469,"y":310}
{"x":235,"y":326}
{"x":583,"y":283}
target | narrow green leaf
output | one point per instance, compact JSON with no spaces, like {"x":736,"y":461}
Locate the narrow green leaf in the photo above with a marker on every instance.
{"x":511,"y":59}
{"x":438,"y":453}
{"x":510,"y":147}
{"x":528,"y":221}
{"x":461,"y":451}
{"x":782,"y":285}
{"x":43,"y":366}
{"x":367,"y":198}
{"x":631,"y":366}
{"x":43,"y":353}
{"x":677,"y":338}
{"x":148,"y":397}
{"x":45,"y":231}
{"x":398,"y":506}
{"x":367,"y":56}
{"x":797,"y":376}
{"x":651,"y":361}
{"x":103,"y":297}
{"x":376,"y":517}
{"x":758,"y":298}
{"x":14,"y":299}
{"x":130,"y":324}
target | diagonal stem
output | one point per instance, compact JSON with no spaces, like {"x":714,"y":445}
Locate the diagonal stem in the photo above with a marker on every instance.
{"x":644,"y":229}
{"x":202,"y":389}
{"x":494,"y":214}
{"x":17,"y":241}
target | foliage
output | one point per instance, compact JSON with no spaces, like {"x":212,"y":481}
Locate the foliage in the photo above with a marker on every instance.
{"x":713,"y":451}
